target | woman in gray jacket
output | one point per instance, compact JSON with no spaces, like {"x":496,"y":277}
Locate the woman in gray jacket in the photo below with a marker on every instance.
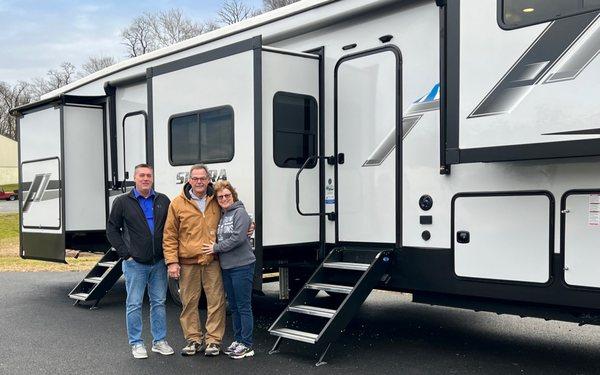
{"x":237,"y":263}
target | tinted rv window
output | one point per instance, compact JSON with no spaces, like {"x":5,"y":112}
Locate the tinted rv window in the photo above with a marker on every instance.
{"x":294,"y":129}
{"x":201,"y":137}
{"x":519,"y":13}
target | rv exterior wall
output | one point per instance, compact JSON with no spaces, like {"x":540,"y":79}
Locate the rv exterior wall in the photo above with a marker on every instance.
{"x":41,"y":157}
{"x":84,"y":180}
{"x":223,"y":82}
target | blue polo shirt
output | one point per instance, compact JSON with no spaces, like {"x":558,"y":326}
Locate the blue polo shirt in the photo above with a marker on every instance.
{"x":147,"y":205}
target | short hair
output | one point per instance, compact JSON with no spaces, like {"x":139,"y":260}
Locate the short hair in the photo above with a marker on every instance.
{"x":224,"y":184}
{"x":143,"y":165}
{"x":199,"y":166}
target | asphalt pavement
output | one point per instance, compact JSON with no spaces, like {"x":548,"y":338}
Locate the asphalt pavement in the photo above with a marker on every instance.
{"x":9,"y":206}
{"x":43,"y":333}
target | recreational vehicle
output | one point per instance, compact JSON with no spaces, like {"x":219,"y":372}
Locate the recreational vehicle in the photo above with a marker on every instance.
{"x":449,"y":149}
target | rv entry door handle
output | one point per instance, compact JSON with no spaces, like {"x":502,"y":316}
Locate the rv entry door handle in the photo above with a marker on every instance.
{"x":307,"y":162}
{"x":341,"y":158}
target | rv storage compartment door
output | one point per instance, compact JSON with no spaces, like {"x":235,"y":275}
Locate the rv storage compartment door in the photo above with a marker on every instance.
{"x":502,"y":237}
{"x":290,"y":136}
{"x":582,"y":239}
{"x":41,"y":184}
{"x":524,"y":93}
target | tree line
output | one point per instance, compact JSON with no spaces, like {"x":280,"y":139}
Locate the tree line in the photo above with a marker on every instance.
{"x":146,"y":33}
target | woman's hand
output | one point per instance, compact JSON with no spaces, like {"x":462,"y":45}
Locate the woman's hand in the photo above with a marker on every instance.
{"x":208,"y":248}
{"x":251,"y":229}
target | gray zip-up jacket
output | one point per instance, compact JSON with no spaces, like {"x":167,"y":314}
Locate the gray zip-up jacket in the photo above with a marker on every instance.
{"x":233,"y":244}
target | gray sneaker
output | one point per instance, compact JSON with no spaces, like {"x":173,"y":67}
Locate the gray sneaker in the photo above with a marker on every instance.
{"x":231,"y":348}
{"x":212,"y":349}
{"x":192,"y":348}
{"x":242,"y":351}
{"x":139,"y":351}
{"x":162,"y":347}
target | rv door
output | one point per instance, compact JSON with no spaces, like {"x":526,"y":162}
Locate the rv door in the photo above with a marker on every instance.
{"x":368,"y":109}
{"x":41,"y":185}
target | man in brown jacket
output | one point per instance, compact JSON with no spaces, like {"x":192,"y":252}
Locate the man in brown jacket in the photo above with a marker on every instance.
{"x":192,"y":221}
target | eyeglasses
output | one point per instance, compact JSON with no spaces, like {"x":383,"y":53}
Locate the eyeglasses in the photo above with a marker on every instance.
{"x":224,"y":196}
{"x":199,"y":179}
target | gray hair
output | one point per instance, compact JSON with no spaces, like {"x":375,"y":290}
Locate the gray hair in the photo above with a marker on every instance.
{"x":199,"y":166}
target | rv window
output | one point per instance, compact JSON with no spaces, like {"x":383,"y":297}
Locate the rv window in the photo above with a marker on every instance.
{"x":201,"y":137}
{"x":519,"y":13}
{"x":294,"y":129}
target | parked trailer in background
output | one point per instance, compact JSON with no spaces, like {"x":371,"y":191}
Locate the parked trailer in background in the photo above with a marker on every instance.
{"x":444,"y":148}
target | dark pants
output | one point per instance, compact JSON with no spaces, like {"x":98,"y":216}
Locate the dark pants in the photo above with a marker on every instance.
{"x":238,"y":287}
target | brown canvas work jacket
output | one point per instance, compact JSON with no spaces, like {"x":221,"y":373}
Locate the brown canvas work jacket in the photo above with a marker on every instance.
{"x":187,"y":229}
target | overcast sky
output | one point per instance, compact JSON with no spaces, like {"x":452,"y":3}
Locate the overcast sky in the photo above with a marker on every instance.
{"x":38,"y":35}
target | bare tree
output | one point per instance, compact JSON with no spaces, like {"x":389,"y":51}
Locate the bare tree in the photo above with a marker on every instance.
{"x":137,"y":37}
{"x":95,"y":63}
{"x":170,"y":27}
{"x":234,"y":11}
{"x":151,"y":31}
{"x":11,"y":97}
{"x":55,"y":78}
{"x":274,"y":4}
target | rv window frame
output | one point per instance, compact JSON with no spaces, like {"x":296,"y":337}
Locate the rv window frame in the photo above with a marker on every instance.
{"x":125,"y":117}
{"x":312,"y":100}
{"x":198,"y":113}
{"x":504,"y":26}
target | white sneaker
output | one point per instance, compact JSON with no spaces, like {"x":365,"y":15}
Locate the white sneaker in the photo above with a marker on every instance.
{"x":139,"y":351}
{"x":231,"y":348}
{"x":242,"y":351}
{"x":162,"y":347}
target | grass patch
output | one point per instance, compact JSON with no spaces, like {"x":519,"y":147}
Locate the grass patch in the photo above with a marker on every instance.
{"x":9,"y":252}
{"x":10,"y":187}
{"x":9,"y":226}
{"x":16,"y":264}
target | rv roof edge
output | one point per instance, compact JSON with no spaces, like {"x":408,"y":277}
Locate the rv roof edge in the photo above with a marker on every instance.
{"x":125,"y":81}
{"x":54,"y":100}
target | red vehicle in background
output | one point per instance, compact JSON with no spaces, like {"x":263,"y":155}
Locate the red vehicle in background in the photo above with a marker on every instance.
{"x":7,"y":196}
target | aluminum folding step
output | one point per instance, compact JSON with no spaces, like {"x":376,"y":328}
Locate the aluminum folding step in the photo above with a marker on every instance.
{"x":313,"y":310}
{"x":99,"y":280}
{"x":108,"y":264}
{"x":293,"y":334}
{"x":293,"y":326}
{"x":330,"y":288}
{"x":79,"y":296}
{"x":347,"y":266}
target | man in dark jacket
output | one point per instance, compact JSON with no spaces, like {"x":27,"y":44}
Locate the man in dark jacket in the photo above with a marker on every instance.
{"x":135,"y":229}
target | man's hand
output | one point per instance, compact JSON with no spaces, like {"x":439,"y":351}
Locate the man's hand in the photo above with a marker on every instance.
{"x":251,"y":229}
{"x":174,"y":270}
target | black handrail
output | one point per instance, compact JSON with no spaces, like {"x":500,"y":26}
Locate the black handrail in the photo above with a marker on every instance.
{"x":308,"y":160}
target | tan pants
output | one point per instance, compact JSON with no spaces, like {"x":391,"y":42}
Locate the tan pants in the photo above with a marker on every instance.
{"x":192,"y":280}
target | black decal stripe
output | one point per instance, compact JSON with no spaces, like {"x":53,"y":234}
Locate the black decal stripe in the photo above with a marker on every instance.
{"x":534,"y":64}
{"x":32,"y":193}
{"x":52,"y":185}
{"x":587,"y":50}
{"x":576,"y":132}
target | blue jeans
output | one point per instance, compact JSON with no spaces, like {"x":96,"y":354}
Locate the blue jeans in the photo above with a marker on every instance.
{"x":238,"y":286}
{"x":137,"y":276}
